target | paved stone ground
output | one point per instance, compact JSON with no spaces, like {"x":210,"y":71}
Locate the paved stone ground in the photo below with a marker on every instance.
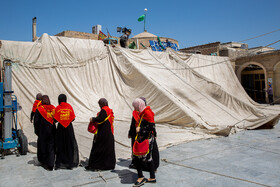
{"x":248,"y":158}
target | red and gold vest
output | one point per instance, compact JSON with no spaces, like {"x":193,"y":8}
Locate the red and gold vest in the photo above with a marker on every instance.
{"x":47,"y":112}
{"x":148,"y":114}
{"x":110,"y":115}
{"x":36,"y":104}
{"x":136,"y":116}
{"x":64,"y":114}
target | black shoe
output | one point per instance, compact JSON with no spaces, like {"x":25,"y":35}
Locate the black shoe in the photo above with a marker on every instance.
{"x":142,"y":182}
{"x":151,"y":181}
{"x":132,"y":166}
{"x":88,"y":168}
{"x":49,"y":168}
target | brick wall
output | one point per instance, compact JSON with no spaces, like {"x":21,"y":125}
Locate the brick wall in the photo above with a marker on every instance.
{"x":76,"y":34}
{"x":205,"y":49}
{"x":233,"y":53}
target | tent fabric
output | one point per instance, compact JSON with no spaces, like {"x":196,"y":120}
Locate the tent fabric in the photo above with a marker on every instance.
{"x":192,"y":96}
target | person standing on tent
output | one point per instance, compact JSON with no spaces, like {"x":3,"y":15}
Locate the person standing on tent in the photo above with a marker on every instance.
{"x":132,"y":135}
{"x":43,"y":120}
{"x":270,"y":95}
{"x":102,"y":155}
{"x":145,"y":131}
{"x":124,"y":37}
{"x":67,"y":153}
{"x":36,"y":103}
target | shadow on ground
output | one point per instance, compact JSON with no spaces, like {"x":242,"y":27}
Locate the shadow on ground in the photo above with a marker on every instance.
{"x":126,"y":176}
{"x":34,"y":162}
{"x":123,"y":162}
{"x":33,"y":144}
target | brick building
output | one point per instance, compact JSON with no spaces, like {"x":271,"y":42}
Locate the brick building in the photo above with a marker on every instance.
{"x":230,"y":49}
{"x":255,"y":68}
{"x":205,"y":49}
{"x":257,"y":71}
{"x":76,"y":34}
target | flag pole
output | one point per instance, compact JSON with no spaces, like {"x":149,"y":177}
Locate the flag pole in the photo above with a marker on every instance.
{"x":145,"y":19}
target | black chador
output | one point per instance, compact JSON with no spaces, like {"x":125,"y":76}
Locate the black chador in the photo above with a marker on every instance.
{"x":67,"y":153}
{"x":102,"y":156}
{"x":44,"y":125}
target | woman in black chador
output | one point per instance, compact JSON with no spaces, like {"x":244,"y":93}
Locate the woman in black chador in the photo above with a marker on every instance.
{"x":67,"y":153}
{"x":102,"y":156}
{"x":44,"y":125}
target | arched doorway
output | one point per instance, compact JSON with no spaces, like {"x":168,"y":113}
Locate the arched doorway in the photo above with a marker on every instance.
{"x":253,"y":81}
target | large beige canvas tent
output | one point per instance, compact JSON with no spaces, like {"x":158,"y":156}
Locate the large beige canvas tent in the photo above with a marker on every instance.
{"x":192,"y":96}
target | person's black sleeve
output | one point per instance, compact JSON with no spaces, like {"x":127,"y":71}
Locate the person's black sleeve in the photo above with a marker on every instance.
{"x":36,"y":122}
{"x":101,"y":117}
{"x":32,"y":116}
{"x":155,"y":131}
{"x":132,"y":130}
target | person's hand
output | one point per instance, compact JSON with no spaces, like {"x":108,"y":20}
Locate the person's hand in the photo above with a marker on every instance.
{"x":137,"y":129}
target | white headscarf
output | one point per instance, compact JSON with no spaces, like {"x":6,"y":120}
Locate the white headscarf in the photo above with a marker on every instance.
{"x":139,"y":104}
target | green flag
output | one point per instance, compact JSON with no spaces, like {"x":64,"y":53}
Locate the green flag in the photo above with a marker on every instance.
{"x":160,"y":44}
{"x":141,"y":18}
{"x":132,"y":45}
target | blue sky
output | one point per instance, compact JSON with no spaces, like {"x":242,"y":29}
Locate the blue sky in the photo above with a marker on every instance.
{"x":191,"y":22}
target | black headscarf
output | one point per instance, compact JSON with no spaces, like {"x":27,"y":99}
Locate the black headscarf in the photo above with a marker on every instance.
{"x":62,"y":98}
{"x":102,"y":102}
{"x":46,"y":100}
{"x":39,"y":96}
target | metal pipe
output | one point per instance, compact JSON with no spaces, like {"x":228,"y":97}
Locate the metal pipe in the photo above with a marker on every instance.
{"x":8,"y":113}
{"x":145,"y":19}
{"x":34,"y":27}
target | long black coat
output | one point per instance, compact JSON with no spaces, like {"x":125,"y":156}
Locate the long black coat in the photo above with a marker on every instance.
{"x":46,"y":140}
{"x":67,"y":153}
{"x":102,"y":154}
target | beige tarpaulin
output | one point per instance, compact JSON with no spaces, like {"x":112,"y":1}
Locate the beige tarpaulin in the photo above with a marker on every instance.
{"x":193,"y":96}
